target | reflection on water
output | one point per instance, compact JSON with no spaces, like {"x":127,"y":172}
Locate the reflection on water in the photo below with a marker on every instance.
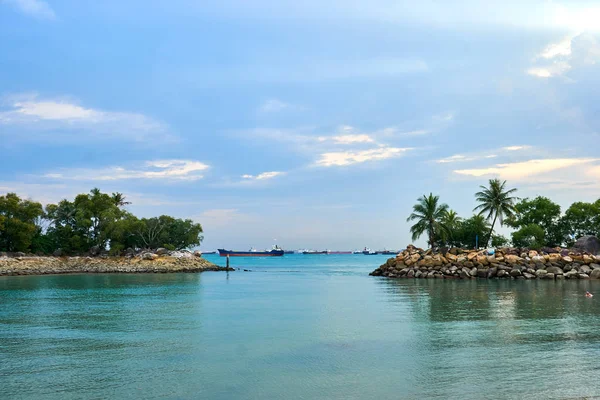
{"x":302,"y":330}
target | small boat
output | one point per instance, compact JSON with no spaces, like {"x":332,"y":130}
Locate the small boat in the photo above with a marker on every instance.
{"x":357,"y":252}
{"x":275,"y":252}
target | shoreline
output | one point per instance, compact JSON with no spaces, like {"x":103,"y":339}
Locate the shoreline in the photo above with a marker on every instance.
{"x":507,"y":263}
{"x":43,"y":265}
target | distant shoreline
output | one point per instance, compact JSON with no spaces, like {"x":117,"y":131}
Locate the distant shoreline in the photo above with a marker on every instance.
{"x":32,"y":265}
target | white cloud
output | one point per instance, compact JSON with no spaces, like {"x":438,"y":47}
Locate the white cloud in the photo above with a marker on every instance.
{"x":558,"y":58}
{"x":263,"y":176}
{"x":35,"y":8}
{"x":344,"y":158}
{"x":463,"y":158}
{"x":525,"y":169}
{"x":273,"y":106}
{"x":168,"y":170}
{"x":515,"y":148}
{"x":352,"y":139}
{"x":42,"y":115}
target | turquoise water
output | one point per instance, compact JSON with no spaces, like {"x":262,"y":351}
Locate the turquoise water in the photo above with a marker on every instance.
{"x":297,"y":327}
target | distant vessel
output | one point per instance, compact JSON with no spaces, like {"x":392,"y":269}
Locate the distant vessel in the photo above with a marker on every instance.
{"x":275,"y":252}
{"x":387,"y":252}
{"x":315,"y":252}
{"x":340,"y":252}
{"x":368,"y":252}
{"x":209,"y":252}
{"x":357,"y":252}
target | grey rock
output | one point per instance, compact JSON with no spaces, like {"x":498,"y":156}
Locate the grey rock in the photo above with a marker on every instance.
{"x":594,"y":266}
{"x":554,"y":270}
{"x":540,"y":273}
{"x":492,"y":272}
{"x":149,"y":256}
{"x":418,"y":274}
{"x":590,"y":244}
{"x":567,"y":267}
{"x":502,"y":273}
{"x":584,"y":269}
{"x":583,"y":276}
{"x":161,"y":251}
{"x":527,"y":275}
{"x":559,"y":277}
{"x":595,"y":274}
{"x":515,"y":272}
{"x":547,"y":276}
{"x":411,"y":273}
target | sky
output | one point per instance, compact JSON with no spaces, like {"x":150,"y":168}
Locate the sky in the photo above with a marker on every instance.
{"x":313,"y":124}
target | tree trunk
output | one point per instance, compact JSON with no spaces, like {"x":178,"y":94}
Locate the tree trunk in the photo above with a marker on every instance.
{"x":491,"y":230}
{"x":431,"y":235}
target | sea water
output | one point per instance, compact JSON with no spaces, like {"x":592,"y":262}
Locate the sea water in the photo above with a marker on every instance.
{"x":296,"y":327}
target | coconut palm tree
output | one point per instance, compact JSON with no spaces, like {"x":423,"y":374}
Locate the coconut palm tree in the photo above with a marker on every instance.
{"x":496,"y":202}
{"x":450,"y":224}
{"x":428,"y":213}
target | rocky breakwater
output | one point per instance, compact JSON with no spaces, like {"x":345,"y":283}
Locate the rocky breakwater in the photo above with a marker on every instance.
{"x":507,"y":263}
{"x":159,"y":261}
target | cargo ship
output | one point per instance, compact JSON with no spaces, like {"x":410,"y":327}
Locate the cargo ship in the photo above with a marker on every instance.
{"x":275,"y":252}
{"x":315,"y":252}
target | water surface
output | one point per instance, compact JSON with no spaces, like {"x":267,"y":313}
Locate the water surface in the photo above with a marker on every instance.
{"x":297,"y":327}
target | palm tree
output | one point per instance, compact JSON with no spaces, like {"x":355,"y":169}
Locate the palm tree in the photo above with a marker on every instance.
{"x":119,"y":199}
{"x":450,"y":223}
{"x":428,"y":213}
{"x":497,"y":202}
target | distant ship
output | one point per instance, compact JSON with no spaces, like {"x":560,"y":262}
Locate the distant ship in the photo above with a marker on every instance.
{"x":209,"y":252}
{"x":315,"y":252}
{"x":368,"y":252}
{"x":387,"y":252}
{"x":275,"y":252}
{"x":340,"y":252}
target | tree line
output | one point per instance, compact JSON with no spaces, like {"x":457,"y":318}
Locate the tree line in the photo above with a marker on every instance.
{"x":89,"y":224}
{"x":537,"y":222}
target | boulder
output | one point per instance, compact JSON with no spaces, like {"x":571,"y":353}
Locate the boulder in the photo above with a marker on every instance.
{"x":594,"y":266}
{"x":161,"y":251}
{"x":149,"y":256}
{"x":554,"y":270}
{"x":527,"y":275}
{"x":589,"y":244}
{"x":198,"y":253}
{"x":502,"y":273}
{"x":567,"y":259}
{"x":547,"y":276}
{"x":595,"y":274}
{"x":515,"y":272}
{"x":540,"y":273}
{"x":583,"y":276}
{"x":585,"y":269}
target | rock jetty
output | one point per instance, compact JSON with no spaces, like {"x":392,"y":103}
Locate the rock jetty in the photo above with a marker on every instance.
{"x":506,"y":263}
{"x":159,"y":261}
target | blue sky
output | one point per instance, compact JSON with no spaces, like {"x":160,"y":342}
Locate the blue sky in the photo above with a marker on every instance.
{"x":308,"y":124}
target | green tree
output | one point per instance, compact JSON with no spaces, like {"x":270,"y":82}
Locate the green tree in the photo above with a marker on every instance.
{"x":496,"y":202}
{"x":543,"y":212}
{"x":531,"y":236}
{"x":450,"y":224}
{"x":169,"y":232}
{"x":428,"y":214}
{"x":582,"y":219}
{"x":18,"y":222}
{"x":471,"y":232}
{"x":499,"y":241}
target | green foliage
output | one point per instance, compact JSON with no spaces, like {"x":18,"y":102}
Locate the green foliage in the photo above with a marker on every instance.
{"x":471,"y":232}
{"x":582,"y":219}
{"x":496,"y":202}
{"x":499,"y":241}
{"x":543,"y":212}
{"x":429,"y":215}
{"x":95,"y":221}
{"x":18,"y":220}
{"x":532,"y":236}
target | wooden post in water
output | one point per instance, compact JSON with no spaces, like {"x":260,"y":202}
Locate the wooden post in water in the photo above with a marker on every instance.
{"x":227,"y":260}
